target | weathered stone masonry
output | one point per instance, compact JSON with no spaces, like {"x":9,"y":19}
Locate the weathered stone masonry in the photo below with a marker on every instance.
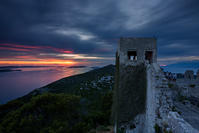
{"x":142,"y":97}
{"x":131,"y":79}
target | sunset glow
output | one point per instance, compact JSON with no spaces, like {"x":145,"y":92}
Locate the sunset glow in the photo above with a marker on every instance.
{"x":44,"y":55}
{"x":31,"y":55}
{"x":38,"y":62}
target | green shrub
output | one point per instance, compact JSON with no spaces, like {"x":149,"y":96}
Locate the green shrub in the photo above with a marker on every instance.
{"x":173,"y":109}
{"x":192,"y":85}
{"x":165,"y":124}
{"x":92,"y":131}
{"x":103,"y":128}
{"x":170,"y":85}
{"x":44,"y":113}
{"x":157,"y":128}
{"x":181,"y":98}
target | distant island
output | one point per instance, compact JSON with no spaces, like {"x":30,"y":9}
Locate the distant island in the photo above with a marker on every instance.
{"x":9,"y":67}
{"x":77,"y":66}
{"x":8,"y":70}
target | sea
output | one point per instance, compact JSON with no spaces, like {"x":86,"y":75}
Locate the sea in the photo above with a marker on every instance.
{"x":15,"y":84}
{"x":179,"y":69}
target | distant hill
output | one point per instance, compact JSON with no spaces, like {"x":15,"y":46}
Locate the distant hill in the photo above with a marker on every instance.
{"x":73,"y":104}
{"x":187,"y":64}
{"x":9,"y":67}
{"x":8,"y":70}
{"x":77,"y":66}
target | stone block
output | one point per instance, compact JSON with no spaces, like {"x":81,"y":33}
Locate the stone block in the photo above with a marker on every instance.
{"x":186,"y":102}
{"x":164,"y":86}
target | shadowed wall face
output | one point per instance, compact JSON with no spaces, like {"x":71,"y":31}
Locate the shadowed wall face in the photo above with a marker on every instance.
{"x":132,"y":93}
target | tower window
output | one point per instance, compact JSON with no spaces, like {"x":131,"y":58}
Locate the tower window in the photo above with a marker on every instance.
{"x":149,"y":56}
{"x":132,"y":55}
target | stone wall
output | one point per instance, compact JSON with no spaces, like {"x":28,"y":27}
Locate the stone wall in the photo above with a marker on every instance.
{"x":163,"y":97}
{"x":151,"y":103}
{"x":140,"y":107}
{"x":142,"y":98}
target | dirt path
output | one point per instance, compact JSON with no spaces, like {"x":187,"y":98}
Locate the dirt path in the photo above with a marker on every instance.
{"x":189,"y":114}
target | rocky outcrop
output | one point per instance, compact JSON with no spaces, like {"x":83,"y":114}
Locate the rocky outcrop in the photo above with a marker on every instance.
{"x":178,"y":124}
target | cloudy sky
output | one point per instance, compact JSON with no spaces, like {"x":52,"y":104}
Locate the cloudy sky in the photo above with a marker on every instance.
{"x":85,"y":32}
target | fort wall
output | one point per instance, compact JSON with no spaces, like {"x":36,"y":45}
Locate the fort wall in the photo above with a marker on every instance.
{"x":142,"y":97}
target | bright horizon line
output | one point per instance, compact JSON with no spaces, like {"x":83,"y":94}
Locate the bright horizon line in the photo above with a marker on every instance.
{"x":38,"y":62}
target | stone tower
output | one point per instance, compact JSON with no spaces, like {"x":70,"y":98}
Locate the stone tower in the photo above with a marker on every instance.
{"x":137,"y":50}
{"x":130,"y":92}
{"x":189,"y":77}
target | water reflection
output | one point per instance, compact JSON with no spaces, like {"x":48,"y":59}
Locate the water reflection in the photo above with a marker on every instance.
{"x":15,"y":84}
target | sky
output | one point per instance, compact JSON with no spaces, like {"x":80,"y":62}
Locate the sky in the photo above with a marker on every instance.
{"x":85,"y":32}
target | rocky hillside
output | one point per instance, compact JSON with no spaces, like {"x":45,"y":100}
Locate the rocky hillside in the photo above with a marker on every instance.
{"x":98,"y":80}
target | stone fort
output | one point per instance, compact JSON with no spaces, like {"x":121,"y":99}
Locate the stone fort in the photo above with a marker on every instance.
{"x":142,"y":99}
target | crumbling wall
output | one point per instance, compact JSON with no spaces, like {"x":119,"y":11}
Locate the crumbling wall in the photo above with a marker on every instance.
{"x":163,"y":96}
{"x":166,"y":118}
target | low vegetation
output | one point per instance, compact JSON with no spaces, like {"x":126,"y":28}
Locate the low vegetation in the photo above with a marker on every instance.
{"x":157,"y":128}
{"x":192,"y":85}
{"x":170,"y":85}
{"x":54,"y":113}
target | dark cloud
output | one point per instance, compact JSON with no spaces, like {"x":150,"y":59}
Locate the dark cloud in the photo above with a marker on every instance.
{"x":93,"y":27}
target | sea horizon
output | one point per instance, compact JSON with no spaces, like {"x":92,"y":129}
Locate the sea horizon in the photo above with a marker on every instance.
{"x":15,"y":84}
